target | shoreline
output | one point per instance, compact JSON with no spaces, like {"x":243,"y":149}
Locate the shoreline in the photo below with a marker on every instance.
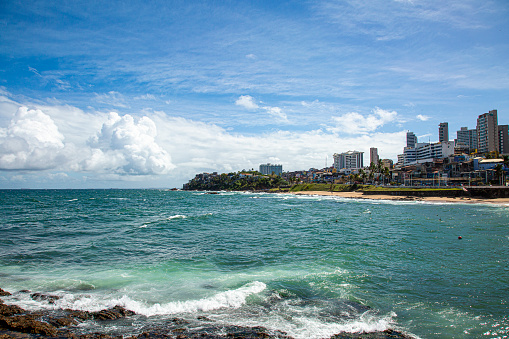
{"x":360,"y":195}
{"x":16,"y":323}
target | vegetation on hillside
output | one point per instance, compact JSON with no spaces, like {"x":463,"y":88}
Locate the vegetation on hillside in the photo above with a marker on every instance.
{"x":236,"y":182}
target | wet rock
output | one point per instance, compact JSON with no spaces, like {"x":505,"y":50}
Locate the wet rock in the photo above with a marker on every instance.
{"x":116,"y":312}
{"x":44,"y":297}
{"x":10,"y":310}
{"x":4,"y":293}
{"x":179,"y":321}
{"x":26,"y":324}
{"x":62,"y":322}
{"x":204,"y":318}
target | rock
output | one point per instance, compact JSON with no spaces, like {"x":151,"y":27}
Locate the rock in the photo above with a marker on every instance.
{"x":179,"y":321}
{"x":10,"y":310}
{"x":112,"y":313}
{"x":4,"y":293}
{"x":62,"y":322}
{"x":44,"y":297}
{"x":27,"y":324}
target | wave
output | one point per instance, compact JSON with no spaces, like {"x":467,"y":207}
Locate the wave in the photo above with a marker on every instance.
{"x":177,"y":216}
{"x":227,"y":299}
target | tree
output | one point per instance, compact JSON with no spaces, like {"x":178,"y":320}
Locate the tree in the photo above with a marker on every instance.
{"x":363,"y":175}
{"x":499,"y":171}
{"x":387,"y":172}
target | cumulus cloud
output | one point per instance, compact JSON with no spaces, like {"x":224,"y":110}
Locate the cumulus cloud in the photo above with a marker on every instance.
{"x":355,"y":123}
{"x":32,"y":141}
{"x":126,"y":147}
{"x":423,"y":117}
{"x":246,"y":101}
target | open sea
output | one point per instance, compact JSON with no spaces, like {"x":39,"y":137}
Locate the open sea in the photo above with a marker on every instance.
{"x":306,"y":265}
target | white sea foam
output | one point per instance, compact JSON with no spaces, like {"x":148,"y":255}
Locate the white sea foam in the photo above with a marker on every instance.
{"x":227,"y":299}
{"x":177,"y":216}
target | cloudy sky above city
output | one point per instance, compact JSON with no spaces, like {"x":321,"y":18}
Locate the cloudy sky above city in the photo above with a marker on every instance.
{"x":100,"y":94}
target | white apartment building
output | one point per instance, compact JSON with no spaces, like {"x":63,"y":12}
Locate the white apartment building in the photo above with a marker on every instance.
{"x":348,"y":160}
{"x":269,"y":169}
{"x":426,"y":152}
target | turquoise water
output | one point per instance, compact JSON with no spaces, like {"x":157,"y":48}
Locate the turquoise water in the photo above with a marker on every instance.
{"x":310,"y":266}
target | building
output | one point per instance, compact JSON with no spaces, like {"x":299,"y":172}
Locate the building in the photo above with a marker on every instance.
{"x":411,"y":139}
{"x":443,"y":131}
{"x":436,"y":150}
{"x":487,"y":132}
{"x":373,"y":155}
{"x":269,"y":169}
{"x":467,"y":137}
{"x":388,"y":163}
{"x":348,"y":160}
{"x":409,"y":155}
{"x":503,"y":136}
{"x":426,"y":152}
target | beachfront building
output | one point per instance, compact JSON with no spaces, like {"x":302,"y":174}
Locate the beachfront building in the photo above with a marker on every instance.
{"x":373,"y":155}
{"x":487,"y":132}
{"x":443,"y":132}
{"x":436,"y":150}
{"x":503,"y":136}
{"x":426,"y":152}
{"x":467,"y":138}
{"x":411,"y":139}
{"x":348,"y":160}
{"x":271,"y":169}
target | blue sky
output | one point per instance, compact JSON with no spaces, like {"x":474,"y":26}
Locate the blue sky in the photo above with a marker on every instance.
{"x":146,"y":94}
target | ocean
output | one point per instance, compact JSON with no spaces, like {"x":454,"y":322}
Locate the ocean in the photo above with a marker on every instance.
{"x":310,"y":266}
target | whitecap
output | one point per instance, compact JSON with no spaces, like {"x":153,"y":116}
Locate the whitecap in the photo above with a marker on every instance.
{"x":227,"y":299}
{"x":177,"y":216}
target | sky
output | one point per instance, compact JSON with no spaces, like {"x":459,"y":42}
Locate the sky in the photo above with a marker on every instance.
{"x":146,"y":94}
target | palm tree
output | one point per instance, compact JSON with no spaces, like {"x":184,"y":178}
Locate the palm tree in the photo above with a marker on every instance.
{"x":387,"y":172}
{"x":499,"y":171}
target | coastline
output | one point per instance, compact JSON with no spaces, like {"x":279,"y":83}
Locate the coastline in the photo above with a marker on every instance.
{"x":16,"y":322}
{"x":360,"y":195}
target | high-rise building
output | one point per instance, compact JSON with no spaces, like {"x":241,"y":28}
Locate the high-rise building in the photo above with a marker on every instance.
{"x":269,"y":169}
{"x":443,"y":131}
{"x":487,"y":132}
{"x":467,"y":137}
{"x":348,"y":160}
{"x":373,"y":155}
{"x":411,"y":139}
{"x":503,"y":142}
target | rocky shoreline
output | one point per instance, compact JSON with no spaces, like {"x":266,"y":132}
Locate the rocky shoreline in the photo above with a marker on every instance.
{"x":17,"y":323}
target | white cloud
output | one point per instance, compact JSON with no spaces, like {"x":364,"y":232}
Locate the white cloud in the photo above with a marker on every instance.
{"x":126,"y":147}
{"x":145,"y":97}
{"x":246,"y":101}
{"x":112,"y":98}
{"x":423,"y":117}
{"x":355,"y":123}
{"x":277,"y":113}
{"x":32,"y":141}
{"x":90,"y":149}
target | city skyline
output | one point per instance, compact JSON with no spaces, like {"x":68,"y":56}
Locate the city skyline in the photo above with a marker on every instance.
{"x":96,"y":95}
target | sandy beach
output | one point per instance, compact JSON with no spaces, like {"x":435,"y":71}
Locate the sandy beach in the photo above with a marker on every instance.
{"x":360,"y":195}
